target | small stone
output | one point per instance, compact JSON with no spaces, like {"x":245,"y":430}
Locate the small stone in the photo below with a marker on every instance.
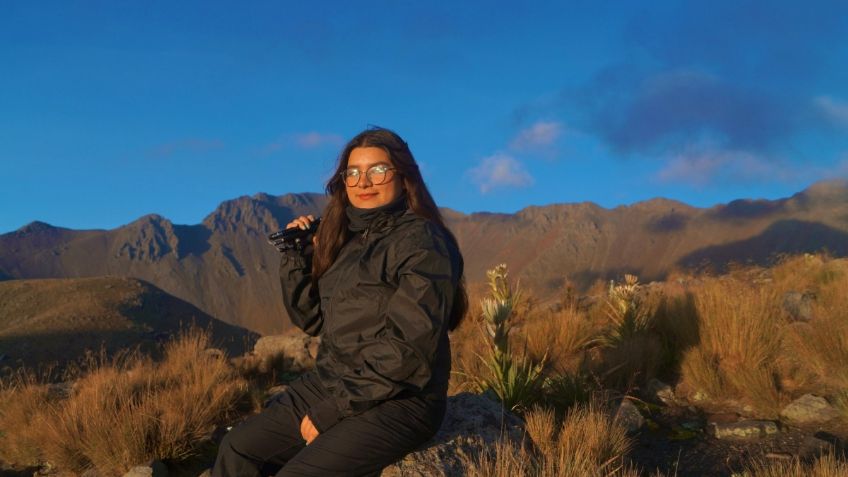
{"x":154,"y":469}
{"x":629,"y":417}
{"x":779,"y":455}
{"x":752,"y":429}
{"x":799,"y":306}
{"x":660,"y":391}
{"x":809,"y":409}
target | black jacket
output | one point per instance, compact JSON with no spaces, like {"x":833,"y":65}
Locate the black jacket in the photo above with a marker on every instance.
{"x":382,"y":312}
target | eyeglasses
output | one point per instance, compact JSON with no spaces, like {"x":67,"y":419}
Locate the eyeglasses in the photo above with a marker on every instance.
{"x":376,"y":175}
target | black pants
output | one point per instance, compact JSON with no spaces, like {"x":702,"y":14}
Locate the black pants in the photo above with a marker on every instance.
{"x":270,"y":443}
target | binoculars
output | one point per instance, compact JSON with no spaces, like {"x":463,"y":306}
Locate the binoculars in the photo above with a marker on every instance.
{"x":294,"y":238}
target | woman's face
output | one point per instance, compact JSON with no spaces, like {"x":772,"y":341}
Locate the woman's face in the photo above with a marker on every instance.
{"x":368,"y":192}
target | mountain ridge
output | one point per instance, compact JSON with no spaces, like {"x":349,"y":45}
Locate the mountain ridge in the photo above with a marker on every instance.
{"x":224,"y":265}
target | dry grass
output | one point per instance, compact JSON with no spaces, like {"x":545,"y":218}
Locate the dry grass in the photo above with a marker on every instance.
{"x":467,"y":342}
{"x":124,"y":412}
{"x":820,"y":348}
{"x":24,"y":398}
{"x":562,"y":336}
{"x":828,"y":465}
{"x":740,"y":344}
{"x":587,"y":443}
{"x":729,"y":336}
{"x":808,"y":272}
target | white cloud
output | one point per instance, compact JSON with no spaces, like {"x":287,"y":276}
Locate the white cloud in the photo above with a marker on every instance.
{"x":306,"y":140}
{"x":499,"y":170}
{"x":834,"y":109}
{"x":542,"y":134}
{"x":314,"y":139}
{"x":702,"y":166}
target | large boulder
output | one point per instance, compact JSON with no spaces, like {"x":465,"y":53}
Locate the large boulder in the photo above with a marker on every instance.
{"x":294,"y":351}
{"x":472,"y":422}
{"x":629,"y":417}
{"x":809,"y":409}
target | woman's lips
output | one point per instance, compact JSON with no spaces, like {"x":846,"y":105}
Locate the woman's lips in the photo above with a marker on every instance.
{"x":366,"y":196}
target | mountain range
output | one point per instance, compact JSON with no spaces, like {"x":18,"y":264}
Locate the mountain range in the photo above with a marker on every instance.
{"x":225,"y":267}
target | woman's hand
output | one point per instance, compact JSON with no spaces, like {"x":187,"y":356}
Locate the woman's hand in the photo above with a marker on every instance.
{"x":303,"y":222}
{"x":307,"y":430}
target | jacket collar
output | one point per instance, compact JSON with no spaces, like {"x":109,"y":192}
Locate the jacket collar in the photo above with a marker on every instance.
{"x":364,"y":220}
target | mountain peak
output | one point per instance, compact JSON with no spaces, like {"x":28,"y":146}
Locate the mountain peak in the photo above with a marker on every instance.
{"x":36,"y":226}
{"x":39,"y":228}
{"x":150,"y":219}
{"x":831,"y":188}
{"x":262,"y":212}
{"x":832,"y":191}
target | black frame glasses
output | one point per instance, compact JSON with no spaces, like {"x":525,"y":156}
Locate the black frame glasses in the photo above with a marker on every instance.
{"x":352,"y":175}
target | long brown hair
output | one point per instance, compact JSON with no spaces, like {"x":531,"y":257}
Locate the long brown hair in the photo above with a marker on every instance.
{"x":333,"y":232}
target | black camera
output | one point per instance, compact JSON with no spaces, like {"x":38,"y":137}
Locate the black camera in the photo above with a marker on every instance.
{"x":294,"y":238}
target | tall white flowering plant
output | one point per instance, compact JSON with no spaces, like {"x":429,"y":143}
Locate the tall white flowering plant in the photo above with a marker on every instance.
{"x":515,"y":380}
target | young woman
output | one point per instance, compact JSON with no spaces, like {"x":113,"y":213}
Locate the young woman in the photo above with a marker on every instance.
{"x":381,"y":286}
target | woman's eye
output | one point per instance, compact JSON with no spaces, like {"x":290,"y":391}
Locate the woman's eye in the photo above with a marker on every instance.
{"x":379,"y":169}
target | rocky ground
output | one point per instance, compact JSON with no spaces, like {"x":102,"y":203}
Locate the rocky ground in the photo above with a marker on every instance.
{"x":681,"y":442}
{"x":719,"y":439}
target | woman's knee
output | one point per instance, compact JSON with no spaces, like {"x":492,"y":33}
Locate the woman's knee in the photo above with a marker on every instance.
{"x":233,"y":440}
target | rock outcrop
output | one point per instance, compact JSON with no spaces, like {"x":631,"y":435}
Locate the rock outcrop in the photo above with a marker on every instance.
{"x":472,"y":422}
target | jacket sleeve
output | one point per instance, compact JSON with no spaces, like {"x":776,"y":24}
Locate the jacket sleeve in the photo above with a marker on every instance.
{"x":401,"y":358}
{"x":300,"y":298}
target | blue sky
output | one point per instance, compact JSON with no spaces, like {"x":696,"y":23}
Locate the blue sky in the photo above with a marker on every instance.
{"x":112,"y":110}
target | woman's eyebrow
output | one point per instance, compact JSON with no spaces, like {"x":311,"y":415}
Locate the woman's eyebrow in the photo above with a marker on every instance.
{"x":369,"y":165}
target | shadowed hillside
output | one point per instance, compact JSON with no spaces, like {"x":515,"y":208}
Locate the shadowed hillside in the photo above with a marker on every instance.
{"x":56,"y":320}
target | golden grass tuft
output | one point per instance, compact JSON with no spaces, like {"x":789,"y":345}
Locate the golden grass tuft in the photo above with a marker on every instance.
{"x":24,"y":398}
{"x":587,"y":443}
{"x":828,"y":465}
{"x":560,"y":336}
{"x":740,"y":344}
{"x":127,"y":411}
